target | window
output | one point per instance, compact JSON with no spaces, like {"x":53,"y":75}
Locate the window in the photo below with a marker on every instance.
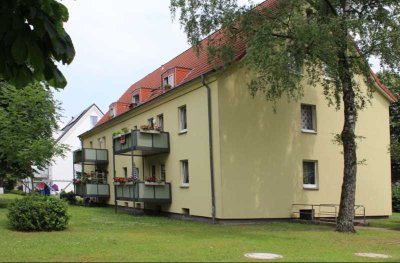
{"x":185,"y":173}
{"x":102,"y":142}
{"x":182,"y":119}
{"x":310,"y":174}
{"x":112,"y":112}
{"x":153,"y":171}
{"x":90,"y":144}
{"x":93,"y":120}
{"x":160,"y":122}
{"x":308,"y":118}
{"x":125,"y":170}
{"x":169,"y":80}
{"x":162,"y":172}
{"x":325,"y":70}
{"x":135,"y":100}
{"x":150,"y":122}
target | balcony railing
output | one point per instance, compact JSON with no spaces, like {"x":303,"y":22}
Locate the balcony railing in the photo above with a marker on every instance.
{"x":89,"y":155}
{"x":156,"y":193}
{"x":148,"y":142}
{"x":93,"y":184}
{"x":92,"y":190}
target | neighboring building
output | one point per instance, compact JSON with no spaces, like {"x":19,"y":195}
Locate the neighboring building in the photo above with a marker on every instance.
{"x":219,"y":152}
{"x":61,"y":170}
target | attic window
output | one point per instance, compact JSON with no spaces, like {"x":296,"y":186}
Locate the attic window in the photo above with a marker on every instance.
{"x":169,"y":81}
{"x":135,"y":100}
{"x":112,"y":112}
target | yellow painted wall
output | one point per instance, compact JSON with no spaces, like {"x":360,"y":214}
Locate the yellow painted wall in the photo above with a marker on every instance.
{"x":192,"y":146}
{"x":262,"y":153}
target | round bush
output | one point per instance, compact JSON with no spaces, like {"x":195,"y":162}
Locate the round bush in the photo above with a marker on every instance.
{"x":38,"y":213}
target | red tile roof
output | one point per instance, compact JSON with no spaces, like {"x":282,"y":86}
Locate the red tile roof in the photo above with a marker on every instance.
{"x":198,"y":65}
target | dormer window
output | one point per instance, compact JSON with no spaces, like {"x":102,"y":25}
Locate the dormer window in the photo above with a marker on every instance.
{"x":135,"y":100}
{"x":112,"y":112}
{"x":168,"y":81}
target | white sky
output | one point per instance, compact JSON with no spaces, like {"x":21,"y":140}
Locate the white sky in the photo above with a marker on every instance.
{"x":117,"y":43}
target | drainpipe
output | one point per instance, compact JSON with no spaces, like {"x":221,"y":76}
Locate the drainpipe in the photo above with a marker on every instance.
{"x":210,"y":144}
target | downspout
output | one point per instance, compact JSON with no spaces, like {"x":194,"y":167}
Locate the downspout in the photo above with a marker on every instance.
{"x":210,"y":144}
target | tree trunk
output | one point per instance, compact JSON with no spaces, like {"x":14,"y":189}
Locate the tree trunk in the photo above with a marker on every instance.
{"x":347,"y":199}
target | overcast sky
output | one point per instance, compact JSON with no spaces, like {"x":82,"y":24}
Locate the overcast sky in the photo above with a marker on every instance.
{"x":117,"y":43}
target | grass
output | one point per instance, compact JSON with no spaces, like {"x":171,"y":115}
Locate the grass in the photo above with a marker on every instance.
{"x":5,"y":199}
{"x":392,"y":223}
{"x":98,"y":234}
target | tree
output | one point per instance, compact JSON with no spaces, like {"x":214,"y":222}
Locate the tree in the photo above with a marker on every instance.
{"x":28,"y":119}
{"x":32,"y":39}
{"x":287,"y":41}
{"x":392,"y":81}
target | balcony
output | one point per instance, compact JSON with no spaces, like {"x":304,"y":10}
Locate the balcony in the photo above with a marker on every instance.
{"x":92,"y":184}
{"x":146,"y":142}
{"x":154,"y":193}
{"x":92,"y":190}
{"x":89,"y":155}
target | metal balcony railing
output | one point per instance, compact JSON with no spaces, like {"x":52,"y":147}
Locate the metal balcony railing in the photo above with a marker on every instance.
{"x":148,"y":142}
{"x":147,"y":192}
{"x":89,"y":155}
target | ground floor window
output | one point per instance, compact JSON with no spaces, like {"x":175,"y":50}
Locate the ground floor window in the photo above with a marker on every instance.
{"x":185,"y":173}
{"x":310,"y":169}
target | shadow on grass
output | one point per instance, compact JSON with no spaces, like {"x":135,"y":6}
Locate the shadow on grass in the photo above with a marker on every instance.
{"x":392,"y":223}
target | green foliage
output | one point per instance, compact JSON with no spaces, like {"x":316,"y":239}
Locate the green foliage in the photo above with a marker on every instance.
{"x":28,"y":118}
{"x":292,"y":39}
{"x":38,"y":213}
{"x":396,"y":197}
{"x":392,"y":81}
{"x":32,"y":40}
{"x":69,"y":197}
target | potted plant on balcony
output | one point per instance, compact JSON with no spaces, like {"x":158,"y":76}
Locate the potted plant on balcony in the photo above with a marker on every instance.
{"x":167,"y":87}
{"x":152,"y":180}
{"x":77,"y":181}
{"x":119,"y":180}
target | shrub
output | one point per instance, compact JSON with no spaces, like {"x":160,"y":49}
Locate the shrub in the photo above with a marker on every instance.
{"x":38,"y":213}
{"x":396,"y":197}
{"x":69,"y":197}
{"x":17,"y":192}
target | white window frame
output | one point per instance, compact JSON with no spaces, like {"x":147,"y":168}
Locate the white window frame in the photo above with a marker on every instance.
{"x":150,"y":122}
{"x":112,"y":112}
{"x":169,"y":80}
{"x":314,"y":118}
{"x":184,"y":164}
{"x":315,"y":185}
{"x":135,"y":99}
{"x":182,"y":119}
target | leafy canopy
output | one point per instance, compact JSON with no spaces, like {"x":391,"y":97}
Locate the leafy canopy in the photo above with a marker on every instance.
{"x":287,"y":40}
{"x":32,"y":41}
{"x":28,"y":119}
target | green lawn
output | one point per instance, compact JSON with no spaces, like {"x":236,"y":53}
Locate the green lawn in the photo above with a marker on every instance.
{"x":392,"y":223}
{"x":98,"y":234}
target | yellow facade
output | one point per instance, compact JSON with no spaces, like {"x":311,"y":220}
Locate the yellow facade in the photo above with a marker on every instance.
{"x":258,"y":154}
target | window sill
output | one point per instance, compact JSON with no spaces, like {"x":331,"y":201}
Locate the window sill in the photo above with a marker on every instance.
{"x":183,"y":131}
{"x":310,"y":187}
{"x":308,"y":131}
{"x":184,"y":186}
